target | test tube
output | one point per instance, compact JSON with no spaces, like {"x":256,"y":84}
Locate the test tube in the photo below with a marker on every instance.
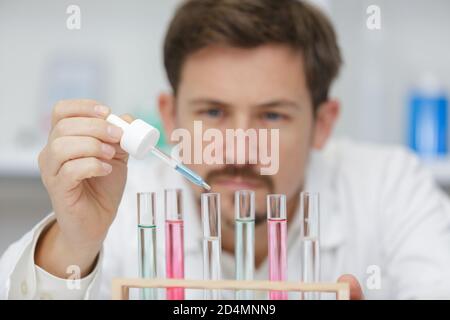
{"x":174,"y":240}
{"x":147,"y":240}
{"x":212,"y":245}
{"x":277,"y":232}
{"x":244,"y":250}
{"x":309,"y":241}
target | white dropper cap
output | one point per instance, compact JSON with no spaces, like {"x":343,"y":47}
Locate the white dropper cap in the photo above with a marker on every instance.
{"x":138,"y":137}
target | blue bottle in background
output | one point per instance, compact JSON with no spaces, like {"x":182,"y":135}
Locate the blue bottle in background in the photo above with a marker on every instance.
{"x":428,"y":119}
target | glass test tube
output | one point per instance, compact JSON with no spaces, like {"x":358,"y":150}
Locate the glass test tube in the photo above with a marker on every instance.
{"x":309,"y":241}
{"x":244,"y":250}
{"x":212,"y":245}
{"x":277,"y":232}
{"x":174,"y":240}
{"x":147,"y":240}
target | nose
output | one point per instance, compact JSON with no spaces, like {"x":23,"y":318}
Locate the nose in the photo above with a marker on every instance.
{"x":241,"y":141}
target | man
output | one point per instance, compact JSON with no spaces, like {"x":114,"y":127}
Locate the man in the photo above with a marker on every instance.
{"x":237,"y":64}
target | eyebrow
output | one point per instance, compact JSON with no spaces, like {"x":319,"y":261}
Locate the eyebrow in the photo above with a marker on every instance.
{"x":279,"y":103}
{"x":208,"y":101}
{"x":268,"y":104}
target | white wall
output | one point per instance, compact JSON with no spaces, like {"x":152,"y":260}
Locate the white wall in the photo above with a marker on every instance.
{"x":380,"y":66}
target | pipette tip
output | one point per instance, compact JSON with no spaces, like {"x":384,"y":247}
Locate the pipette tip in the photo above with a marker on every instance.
{"x":206,"y":186}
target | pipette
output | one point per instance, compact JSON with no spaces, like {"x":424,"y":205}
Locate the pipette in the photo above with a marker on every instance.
{"x":181,"y":168}
{"x":139,"y":138}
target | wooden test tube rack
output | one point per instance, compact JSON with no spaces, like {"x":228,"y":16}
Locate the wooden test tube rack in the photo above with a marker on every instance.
{"x":121,"y":286}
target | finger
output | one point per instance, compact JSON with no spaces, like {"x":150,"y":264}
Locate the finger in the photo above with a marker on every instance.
{"x":356,"y":292}
{"x":73,"y":172}
{"x":68,"y":148}
{"x":78,"y":108}
{"x":91,"y":127}
{"x":121,"y":154}
{"x":127,"y":117}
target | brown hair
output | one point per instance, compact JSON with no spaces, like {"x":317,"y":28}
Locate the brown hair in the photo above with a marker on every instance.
{"x":250,"y":23}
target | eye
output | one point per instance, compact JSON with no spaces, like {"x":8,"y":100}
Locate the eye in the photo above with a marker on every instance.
{"x":213,"y":112}
{"x":273,"y":116}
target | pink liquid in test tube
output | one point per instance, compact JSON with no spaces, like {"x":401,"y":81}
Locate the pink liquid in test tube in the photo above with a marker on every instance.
{"x":174,"y":241}
{"x":277,"y":236}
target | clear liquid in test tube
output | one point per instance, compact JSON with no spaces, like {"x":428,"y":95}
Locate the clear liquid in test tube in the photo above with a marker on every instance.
{"x":147,"y":240}
{"x":174,"y":240}
{"x":212,"y":245}
{"x":277,"y":237}
{"x":244,"y":209}
{"x":309,"y":241}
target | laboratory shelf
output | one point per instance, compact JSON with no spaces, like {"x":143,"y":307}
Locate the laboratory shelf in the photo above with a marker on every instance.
{"x":16,"y":162}
{"x":19,"y":162}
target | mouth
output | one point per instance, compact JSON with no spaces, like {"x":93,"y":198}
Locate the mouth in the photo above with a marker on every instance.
{"x":237,"y":183}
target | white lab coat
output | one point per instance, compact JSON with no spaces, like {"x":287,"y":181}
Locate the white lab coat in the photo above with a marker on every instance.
{"x":383,"y":219}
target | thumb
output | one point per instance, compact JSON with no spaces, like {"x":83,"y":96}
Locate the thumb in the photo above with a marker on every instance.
{"x":127,"y":117}
{"x":356,"y":292}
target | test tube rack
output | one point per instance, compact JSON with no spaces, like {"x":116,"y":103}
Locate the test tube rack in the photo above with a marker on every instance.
{"x":121,"y":286}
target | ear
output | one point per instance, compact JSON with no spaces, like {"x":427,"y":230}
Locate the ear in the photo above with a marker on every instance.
{"x":326,"y":116}
{"x":166,"y":105}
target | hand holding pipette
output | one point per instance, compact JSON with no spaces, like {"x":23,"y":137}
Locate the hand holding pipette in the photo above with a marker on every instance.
{"x":78,"y":159}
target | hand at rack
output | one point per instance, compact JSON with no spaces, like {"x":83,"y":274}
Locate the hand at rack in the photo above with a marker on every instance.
{"x":355,"y":288}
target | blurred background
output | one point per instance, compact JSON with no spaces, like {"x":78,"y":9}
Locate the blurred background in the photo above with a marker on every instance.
{"x":393,"y":88}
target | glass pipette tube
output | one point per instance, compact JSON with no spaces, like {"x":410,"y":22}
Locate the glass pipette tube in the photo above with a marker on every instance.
{"x":147,"y":240}
{"x":181,"y":168}
{"x":309,"y":241}
{"x":212,"y":245}
{"x":277,"y":232}
{"x":174,"y":240}
{"x":244,"y":250}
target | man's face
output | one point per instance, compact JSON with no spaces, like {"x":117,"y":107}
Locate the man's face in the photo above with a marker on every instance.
{"x":261,"y":88}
